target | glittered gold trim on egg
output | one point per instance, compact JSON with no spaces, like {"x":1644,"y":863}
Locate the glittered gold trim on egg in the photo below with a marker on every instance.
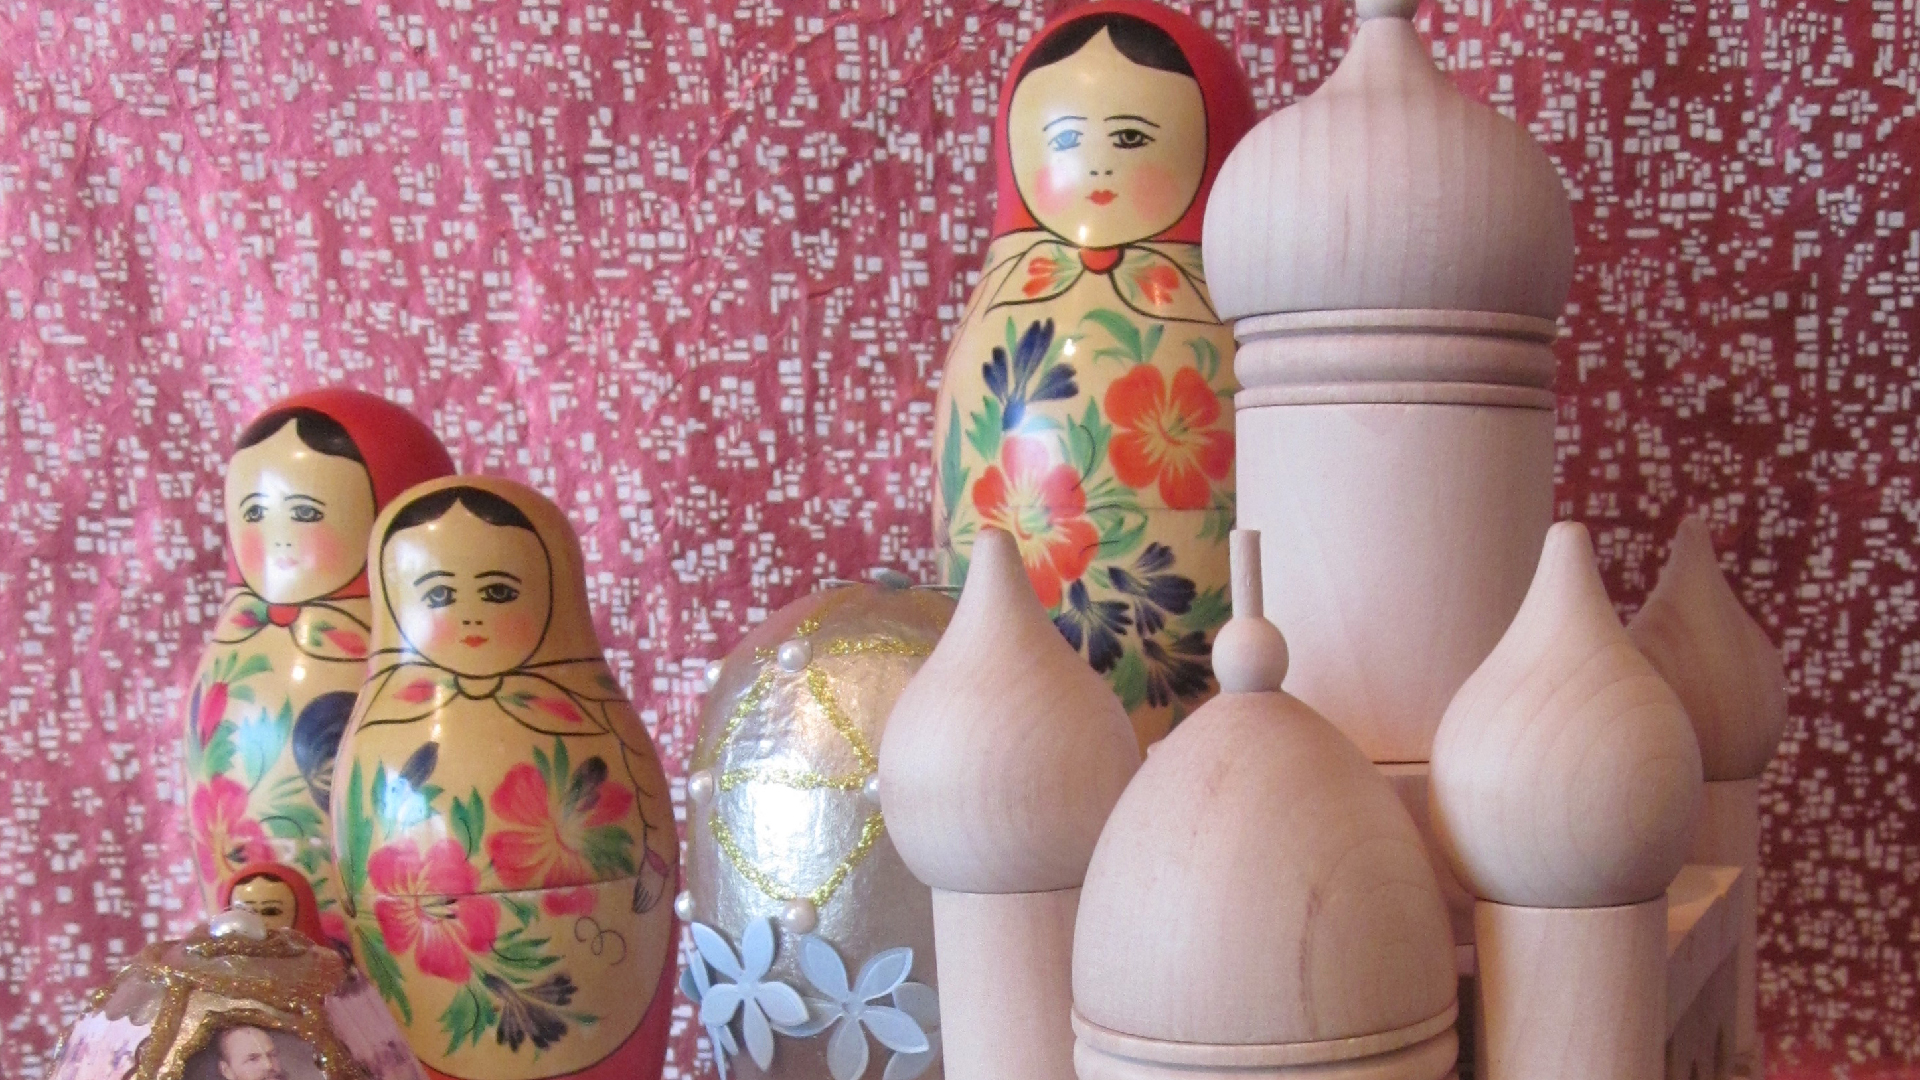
{"x":821,"y":690}
{"x":842,"y":723}
{"x":869,"y":835}
{"x":293,"y":1004}
{"x":791,"y":778}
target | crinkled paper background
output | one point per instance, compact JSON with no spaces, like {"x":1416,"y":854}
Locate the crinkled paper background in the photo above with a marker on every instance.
{"x":689,"y":267}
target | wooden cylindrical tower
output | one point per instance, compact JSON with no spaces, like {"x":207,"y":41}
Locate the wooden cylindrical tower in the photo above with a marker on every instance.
{"x":1394,"y":256}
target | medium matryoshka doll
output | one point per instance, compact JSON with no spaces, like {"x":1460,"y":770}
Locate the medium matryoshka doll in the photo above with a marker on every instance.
{"x":502,"y":822}
{"x":277,"y":682}
{"x":1087,"y":402}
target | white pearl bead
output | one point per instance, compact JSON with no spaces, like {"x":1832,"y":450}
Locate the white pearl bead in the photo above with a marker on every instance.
{"x":871,"y":789}
{"x":712,"y":675}
{"x":799,"y":916}
{"x":238,"y":921}
{"x":700,"y":786}
{"x":794,"y":656}
{"x":683,"y":906}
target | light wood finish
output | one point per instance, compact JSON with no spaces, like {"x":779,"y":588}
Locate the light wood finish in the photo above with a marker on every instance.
{"x":1389,"y":601}
{"x":1701,"y":1046}
{"x":1706,"y":907}
{"x":1573,"y":994}
{"x":1005,"y":983}
{"x":1729,"y":676}
{"x":1259,"y":900}
{"x":1410,"y":782}
{"x":1387,"y":188}
{"x":1432,"y":1058}
{"x":1249,"y":654}
{"x":1564,"y":773}
{"x":1395,"y":256}
{"x":1717,"y":659}
{"x":1728,"y":834}
{"x":998,"y":767}
{"x":1004,"y":754}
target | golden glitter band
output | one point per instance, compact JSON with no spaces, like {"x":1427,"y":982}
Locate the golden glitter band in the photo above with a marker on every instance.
{"x":790,"y":778}
{"x":869,"y":835}
{"x":822,"y":693}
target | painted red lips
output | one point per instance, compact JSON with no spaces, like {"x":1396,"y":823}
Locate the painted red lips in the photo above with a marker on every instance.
{"x":473,"y":641}
{"x":1102,"y":197}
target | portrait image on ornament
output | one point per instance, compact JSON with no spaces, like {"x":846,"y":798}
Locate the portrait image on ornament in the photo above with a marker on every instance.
{"x":244,"y":1051}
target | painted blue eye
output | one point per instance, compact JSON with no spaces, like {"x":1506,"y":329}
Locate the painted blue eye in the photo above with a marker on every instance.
{"x":1065,"y":140}
{"x":437,"y":597}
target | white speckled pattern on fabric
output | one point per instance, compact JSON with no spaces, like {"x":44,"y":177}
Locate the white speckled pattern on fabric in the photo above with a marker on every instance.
{"x":690,"y":268}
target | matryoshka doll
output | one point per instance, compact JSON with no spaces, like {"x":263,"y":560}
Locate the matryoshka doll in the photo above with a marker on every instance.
{"x":501,"y":819}
{"x":277,"y":682}
{"x":277,"y":893}
{"x":1087,"y":402}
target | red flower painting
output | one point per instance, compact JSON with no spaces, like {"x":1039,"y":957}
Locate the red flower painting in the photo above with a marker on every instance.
{"x":224,"y":837}
{"x":425,"y":905}
{"x":562,"y":830}
{"x":1166,"y":435}
{"x":1040,"y":501}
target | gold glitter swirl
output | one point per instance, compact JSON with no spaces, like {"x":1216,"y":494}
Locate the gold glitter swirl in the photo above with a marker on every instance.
{"x":879,"y":645}
{"x":199,"y":988}
{"x":869,"y":835}
{"x":842,"y":723}
{"x":790,"y":778}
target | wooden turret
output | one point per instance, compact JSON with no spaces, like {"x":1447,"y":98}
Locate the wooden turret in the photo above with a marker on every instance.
{"x":1394,"y":256}
{"x":1565,"y":782}
{"x":999,"y":765}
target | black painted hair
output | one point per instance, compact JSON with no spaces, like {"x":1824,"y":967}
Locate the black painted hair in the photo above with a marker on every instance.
{"x":1137,"y":39}
{"x":479,"y":502}
{"x":318,"y":430}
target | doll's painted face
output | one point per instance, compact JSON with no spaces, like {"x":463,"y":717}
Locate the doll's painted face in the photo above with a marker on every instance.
{"x":272,"y":900}
{"x":1106,"y":151}
{"x":470,"y":596}
{"x":297,"y":518}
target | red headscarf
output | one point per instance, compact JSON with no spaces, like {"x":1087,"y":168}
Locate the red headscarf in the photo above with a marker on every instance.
{"x":399,"y":451}
{"x":306,"y":910}
{"x":1223,"y":90}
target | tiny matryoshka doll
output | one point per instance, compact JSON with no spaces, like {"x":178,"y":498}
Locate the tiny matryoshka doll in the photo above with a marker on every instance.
{"x":1087,"y":403}
{"x":503,"y":826}
{"x":277,"y":682}
{"x":277,"y":893}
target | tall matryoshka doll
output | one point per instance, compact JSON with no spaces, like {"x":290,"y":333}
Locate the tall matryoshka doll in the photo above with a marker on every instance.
{"x":1087,"y":402}
{"x":277,"y":682}
{"x":502,"y":822}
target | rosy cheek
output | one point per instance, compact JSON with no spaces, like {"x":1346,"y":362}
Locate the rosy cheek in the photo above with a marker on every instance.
{"x":517,"y":629}
{"x":1156,"y":190}
{"x":250,"y":551}
{"x":1056,"y":188}
{"x":327,"y":548}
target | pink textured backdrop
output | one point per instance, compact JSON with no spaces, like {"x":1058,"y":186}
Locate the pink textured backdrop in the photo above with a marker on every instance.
{"x":690,"y":267}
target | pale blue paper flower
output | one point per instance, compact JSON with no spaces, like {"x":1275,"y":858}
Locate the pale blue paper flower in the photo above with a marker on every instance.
{"x":694,"y":983}
{"x":923,"y":1004}
{"x":761,"y":1002}
{"x":852,"y":1008}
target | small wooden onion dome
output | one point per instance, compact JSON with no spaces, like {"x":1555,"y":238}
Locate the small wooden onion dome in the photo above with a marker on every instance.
{"x":1565,"y":774}
{"x":1388,"y":188}
{"x":1260,"y":899}
{"x":1003,"y":755}
{"x":1717,"y":659}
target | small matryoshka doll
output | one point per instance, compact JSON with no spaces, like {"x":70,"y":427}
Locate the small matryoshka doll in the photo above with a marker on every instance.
{"x":277,"y":682}
{"x":1087,"y":403}
{"x":502,"y":822}
{"x":279,"y":894}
